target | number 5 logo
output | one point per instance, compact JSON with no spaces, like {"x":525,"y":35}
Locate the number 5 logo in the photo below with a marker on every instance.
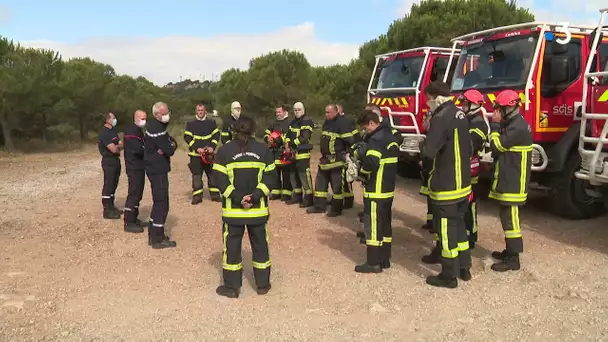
{"x":564,"y":28}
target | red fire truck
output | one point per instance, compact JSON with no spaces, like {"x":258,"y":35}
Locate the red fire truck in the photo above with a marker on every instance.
{"x":545,"y":63}
{"x":396,"y":87}
{"x":594,"y":127}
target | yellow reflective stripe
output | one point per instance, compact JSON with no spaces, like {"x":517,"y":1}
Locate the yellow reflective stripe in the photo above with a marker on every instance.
{"x":191,"y":142}
{"x":300,"y":156}
{"x":220,"y":168}
{"x":349,"y":134}
{"x":269,"y":168}
{"x":196,"y":192}
{"x":374,"y":153}
{"x":479,"y":132}
{"x":474,"y":214}
{"x":494,"y":137}
{"x":193,"y":154}
{"x":450,"y":195}
{"x":261,"y":265}
{"x":463,"y":246}
{"x":188,"y":133}
{"x":446,"y":252}
{"x":523,"y":167}
{"x":364,"y":171}
{"x":321,"y":193}
{"x":424,"y":190}
{"x":244,"y":213}
{"x":474,"y":179}
{"x":214,"y":141}
{"x":245,"y":165}
{"x":297,"y":141}
{"x":515,"y":233}
{"x":309,"y":180}
{"x":225,"y":133}
{"x":378,"y":195}
{"x":225,"y":264}
{"x":229,"y":189}
{"x":306,"y":127}
{"x":214,"y":190}
{"x":435,"y":237}
{"x":391,"y":145}
{"x":264,"y":188}
{"x":458,"y":164}
{"x":520,"y":149}
{"x":391,"y":160}
{"x":331,"y":165}
{"x":202,"y":137}
{"x":429,"y":217}
{"x":373,"y":238}
{"x":508,"y":197}
{"x":387,"y":239}
{"x":337,"y":196}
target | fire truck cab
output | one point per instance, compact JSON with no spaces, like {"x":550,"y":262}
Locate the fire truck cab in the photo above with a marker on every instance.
{"x":594,"y":124}
{"x":545,"y":63}
{"x":397,"y":85}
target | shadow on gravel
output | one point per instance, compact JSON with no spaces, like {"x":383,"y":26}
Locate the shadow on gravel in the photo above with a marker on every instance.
{"x":215,"y":260}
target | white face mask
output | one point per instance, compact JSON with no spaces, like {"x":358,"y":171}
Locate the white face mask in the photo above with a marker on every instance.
{"x":140,"y":123}
{"x":165,"y":118}
{"x":236,"y":112}
{"x":432,"y":104}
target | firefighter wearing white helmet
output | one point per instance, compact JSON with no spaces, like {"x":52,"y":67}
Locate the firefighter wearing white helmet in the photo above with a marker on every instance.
{"x":228,"y":123}
{"x":298,"y":140}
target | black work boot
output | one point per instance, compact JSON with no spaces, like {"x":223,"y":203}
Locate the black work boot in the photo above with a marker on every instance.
{"x":434,"y":257}
{"x":499,"y":255}
{"x":216,"y":198}
{"x":227,"y":292}
{"x":307,"y":201}
{"x":336,"y":208}
{"x":441,"y":280}
{"x":373,"y":261}
{"x":196,"y":199}
{"x":315,"y":210}
{"x":164,"y":244}
{"x":428,"y":225}
{"x":132,"y":227}
{"x":367,"y":268}
{"x":141,"y":223}
{"x":295,"y":199}
{"x":349,"y":202}
{"x":471,"y":245}
{"x":385,"y":256}
{"x":274,"y":197}
{"x":285,"y":198}
{"x":361,"y":235}
{"x":111,"y":214}
{"x":263,"y":290}
{"x":510,"y":263}
{"x":360,"y":214}
{"x":465,"y":274}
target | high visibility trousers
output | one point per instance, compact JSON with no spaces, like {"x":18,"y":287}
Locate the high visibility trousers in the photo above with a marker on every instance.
{"x":284,"y":188}
{"x":137,"y":182}
{"x":159,"y":183}
{"x":509,"y":217}
{"x":347,"y":191}
{"x":301,"y":180}
{"x":470,"y":218}
{"x":377,"y":220}
{"x":448,"y":223}
{"x":323,"y":180}
{"x":232,"y":261}
{"x":111,"y":176}
{"x":429,"y":211}
{"x":197,"y":168}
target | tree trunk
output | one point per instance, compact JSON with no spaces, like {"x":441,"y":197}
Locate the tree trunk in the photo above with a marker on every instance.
{"x":9,"y":145}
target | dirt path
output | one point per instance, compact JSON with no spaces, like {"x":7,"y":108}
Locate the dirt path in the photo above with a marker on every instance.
{"x":66,"y":274}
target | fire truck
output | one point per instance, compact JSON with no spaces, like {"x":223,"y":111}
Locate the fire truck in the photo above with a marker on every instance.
{"x":594,"y":127}
{"x":397,"y":85}
{"x":545,"y":63}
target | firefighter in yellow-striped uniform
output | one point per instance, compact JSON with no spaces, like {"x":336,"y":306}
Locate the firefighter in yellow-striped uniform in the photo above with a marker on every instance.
{"x":229,"y":122}
{"x":378,"y":158}
{"x":337,"y":140}
{"x":511,"y":143}
{"x":448,"y":144}
{"x":426,"y":165}
{"x":347,"y":187}
{"x":275,"y":136}
{"x":245,"y":173}
{"x":202,"y":137}
{"x":298,"y":141}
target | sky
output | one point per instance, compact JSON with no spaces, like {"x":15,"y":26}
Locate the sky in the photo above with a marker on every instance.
{"x":168,"y":40}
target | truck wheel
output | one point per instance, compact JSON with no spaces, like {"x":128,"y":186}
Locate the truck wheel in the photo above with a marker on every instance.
{"x":408,"y":169}
{"x":569,"y":199}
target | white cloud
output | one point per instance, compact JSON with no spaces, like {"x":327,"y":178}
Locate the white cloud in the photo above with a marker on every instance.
{"x":5,"y":14}
{"x":165,"y":59}
{"x":405,"y":7}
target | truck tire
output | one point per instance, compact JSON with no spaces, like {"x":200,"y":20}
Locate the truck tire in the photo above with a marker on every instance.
{"x":408,"y":169}
{"x":569,"y":199}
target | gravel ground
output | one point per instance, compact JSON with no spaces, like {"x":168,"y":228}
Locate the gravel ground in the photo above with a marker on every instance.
{"x":67,"y":274}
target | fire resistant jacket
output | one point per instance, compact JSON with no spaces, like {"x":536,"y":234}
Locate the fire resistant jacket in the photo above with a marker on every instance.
{"x":386,"y":123}
{"x":281,"y":126}
{"x":200,"y":134}
{"x":227,"y":128}
{"x":157,"y":148}
{"x":379,"y":164}
{"x":478,"y":129}
{"x":240,"y":172}
{"x":108,"y":136}
{"x":298,"y":136}
{"x":134,"y":148}
{"x":337,"y":138}
{"x":448,"y":144}
{"x":511,"y":143}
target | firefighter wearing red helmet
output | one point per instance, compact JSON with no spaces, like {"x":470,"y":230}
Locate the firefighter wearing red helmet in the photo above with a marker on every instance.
{"x":202,"y":136}
{"x":275,"y":138}
{"x":472,"y":102}
{"x":448,"y":144}
{"x":511,"y":143}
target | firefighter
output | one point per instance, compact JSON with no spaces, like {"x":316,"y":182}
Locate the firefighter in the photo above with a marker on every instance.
{"x":511,"y":143}
{"x":426,"y":165}
{"x":337,"y":139}
{"x":159,"y":147}
{"x":109,"y":146}
{"x":379,"y":167}
{"x":228,"y":123}
{"x":298,"y":141}
{"x":448,"y":144}
{"x":136,"y":173}
{"x":347,"y":187}
{"x":472,"y":102}
{"x":244,"y":172}
{"x":275,"y":136}
{"x":202,"y":136}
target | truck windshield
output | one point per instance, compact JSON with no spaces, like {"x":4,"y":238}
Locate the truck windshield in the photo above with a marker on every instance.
{"x":400,"y":73}
{"x":495,"y":64}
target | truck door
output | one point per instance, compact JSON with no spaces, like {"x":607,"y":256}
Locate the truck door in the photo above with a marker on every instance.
{"x":599,"y":93}
{"x":561,"y":86}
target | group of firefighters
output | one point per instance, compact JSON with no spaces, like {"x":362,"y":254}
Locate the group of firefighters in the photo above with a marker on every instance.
{"x":244,"y":174}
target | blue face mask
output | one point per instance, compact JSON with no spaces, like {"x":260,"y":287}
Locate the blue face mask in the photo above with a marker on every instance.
{"x":114,"y":122}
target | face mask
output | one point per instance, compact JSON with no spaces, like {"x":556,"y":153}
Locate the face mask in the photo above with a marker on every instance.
{"x":165,"y":118}
{"x":141,"y":123}
{"x":236,"y":113}
{"x":114,"y":122}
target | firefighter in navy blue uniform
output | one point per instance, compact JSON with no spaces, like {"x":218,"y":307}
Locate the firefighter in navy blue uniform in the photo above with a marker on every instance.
{"x":202,"y":137}
{"x":298,"y":141}
{"x":229,"y":122}
{"x":245,"y":173}
{"x":472,"y":102}
{"x":426,"y":165}
{"x":276,"y":144}
{"x":337,"y":139}
{"x":159,"y":147}
{"x":379,"y":167}
{"x":511,"y":143}
{"x":347,"y":187}
{"x":136,"y":172}
{"x":109,"y":146}
{"x":448,"y":144}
